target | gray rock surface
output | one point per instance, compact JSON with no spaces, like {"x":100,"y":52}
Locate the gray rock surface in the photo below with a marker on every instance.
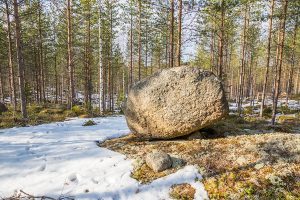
{"x":175,"y":102}
{"x":158,"y":161}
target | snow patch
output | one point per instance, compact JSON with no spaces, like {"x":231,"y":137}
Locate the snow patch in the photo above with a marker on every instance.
{"x":62,"y":159}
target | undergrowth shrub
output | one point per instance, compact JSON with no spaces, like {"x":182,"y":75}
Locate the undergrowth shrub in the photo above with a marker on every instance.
{"x":267,"y":112}
{"x":248,"y":110}
{"x":89,"y":123}
{"x":78,"y":110}
{"x":286,"y":110}
{"x":33,"y":108}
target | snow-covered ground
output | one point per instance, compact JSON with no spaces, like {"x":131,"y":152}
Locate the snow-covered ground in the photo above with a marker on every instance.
{"x":292,"y":104}
{"x":62,"y":159}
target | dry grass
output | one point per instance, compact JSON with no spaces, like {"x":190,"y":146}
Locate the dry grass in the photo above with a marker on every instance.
{"x":248,"y":166}
{"x":38,"y":114}
{"x":182,"y":191}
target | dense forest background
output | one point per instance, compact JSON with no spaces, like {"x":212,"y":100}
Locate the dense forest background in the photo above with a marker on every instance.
{"x":89,"y":52}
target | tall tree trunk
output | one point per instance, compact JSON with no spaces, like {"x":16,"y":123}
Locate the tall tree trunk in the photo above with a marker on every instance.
{"x":242,"y":68}
{"x":146,"y":51}
{"x":291,"y":73}
{"x":101,"y":71}
{"x":41,"y":61}
{"x":111,"y":61}
{"x":20,"y":62}
{"x":37,"y":73}
{"x":71,"y":96}
{"x":178,"y":54}
{"x":212,"y":51}
{"x":1,"y":86}
{"x":221,"y":41}
{"x":140,"y":37}
{"x":62,"y":89}
{"x":56,"y":78}
{"x":13,"y":98}
{"x":250,"y":78}
{"x":268,"y":58}
{"x":172,"y":35}
{"x":296,"y":90}
{"x":166,"y":52}
{"x":88,"y":84}
{"x":279,"y":62}
{"x":131,"y":45}
{"x":123,"y":82}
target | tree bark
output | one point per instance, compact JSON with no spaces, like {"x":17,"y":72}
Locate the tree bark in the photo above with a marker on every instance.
{"x":291,"y":73}
{"x":1,"y":86}
{"x":37,"y":75}
{"x":146,"y":51}
{"x":140,"y":37}
{"x":41,"y":60}
{"x":131,"y":45}
{"x":221,"y":41}
{"x":13,"y":98}
{"x":279,"y":61}
{"x":268,"y":58}
{"x":71,"y":99}
{"x":111,"y":61}
{"x":212,"y":51}
{"x":242,"y":68}
{"x":101,"y":74}
{"x":20,"y":62}
{"x":88,"y":83}
{"x":56,"y":79}
{"x":296,"y":90}
{"x":178,"y":54}
{"x":172,"y":35}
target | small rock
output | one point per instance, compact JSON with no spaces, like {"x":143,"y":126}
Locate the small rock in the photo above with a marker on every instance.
{"x":241,"y":160}
{"x":259,"y":166}
{"x":274,"y":180}
{"x":158,"y":161}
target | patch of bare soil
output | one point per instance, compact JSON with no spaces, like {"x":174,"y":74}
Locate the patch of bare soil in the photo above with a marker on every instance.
{"x":251,"y":166}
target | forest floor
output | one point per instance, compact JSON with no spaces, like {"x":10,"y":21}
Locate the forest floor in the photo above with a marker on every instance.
{"x":43,"y":114}
{"x":239,"y":159}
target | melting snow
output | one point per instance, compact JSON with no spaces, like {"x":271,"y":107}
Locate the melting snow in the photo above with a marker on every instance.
{"x":62,"y":159}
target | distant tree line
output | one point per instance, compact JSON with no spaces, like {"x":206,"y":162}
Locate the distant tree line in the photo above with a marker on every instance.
{"x":54,"y":51}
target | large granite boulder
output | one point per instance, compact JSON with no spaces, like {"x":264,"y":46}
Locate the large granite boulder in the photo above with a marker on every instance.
{"x":3,"y":108}
{"x":175,"y":102}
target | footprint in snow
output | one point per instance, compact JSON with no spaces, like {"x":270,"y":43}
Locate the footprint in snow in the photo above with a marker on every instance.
{"x":73,"y":178}
{"x":95,"y":181}
{"x":42,"y":168}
